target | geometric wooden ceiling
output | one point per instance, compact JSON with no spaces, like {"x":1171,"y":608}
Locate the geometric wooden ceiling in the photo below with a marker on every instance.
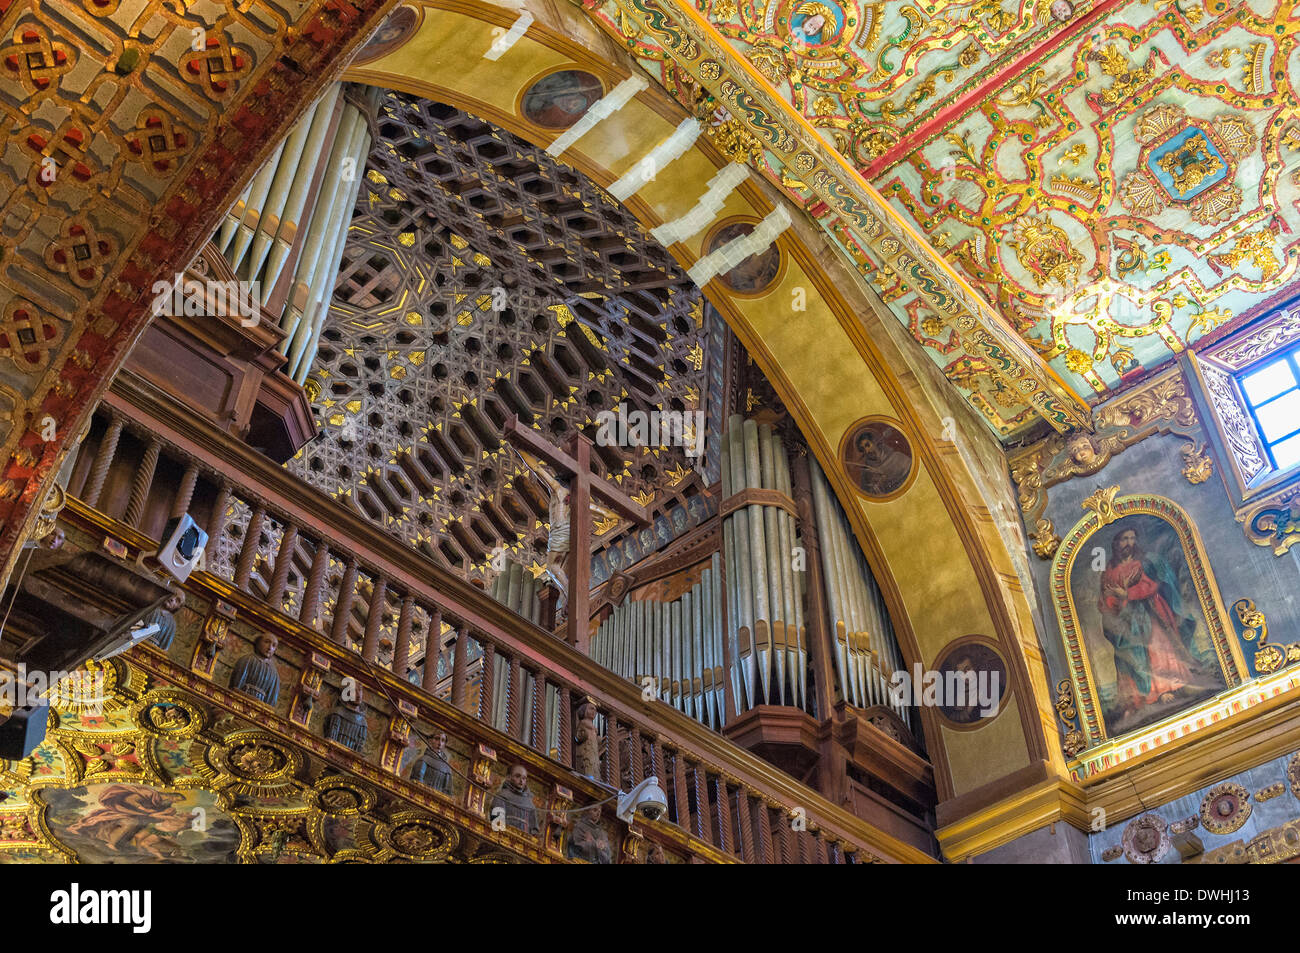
{"x":482,"y":279}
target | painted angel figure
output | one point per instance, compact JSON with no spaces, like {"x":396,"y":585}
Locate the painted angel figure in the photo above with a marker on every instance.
{"x":558,"y":533}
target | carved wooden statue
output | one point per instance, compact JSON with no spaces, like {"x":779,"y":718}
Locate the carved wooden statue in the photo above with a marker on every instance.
{"x":346,"y":724}
{"x":165,"y":620}
{"x":589,"y":840}
{"x":515,"y":802}
{"x":586,"y":742}
{"x":255,"y":674}
{"x":433,"y":768}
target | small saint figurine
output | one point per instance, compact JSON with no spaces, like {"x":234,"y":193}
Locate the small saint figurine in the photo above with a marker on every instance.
{"x":346,"y":724}
{"x":586,"y":742}
{"x":255,"y":674}
{"x":589,"y":840}
{"x":165,"y":620}
{"x":433,"y":768}
{"x":515,"y":803}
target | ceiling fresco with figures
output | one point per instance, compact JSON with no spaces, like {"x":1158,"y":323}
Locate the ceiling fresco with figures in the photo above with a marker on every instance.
{"x":1115,"y":180}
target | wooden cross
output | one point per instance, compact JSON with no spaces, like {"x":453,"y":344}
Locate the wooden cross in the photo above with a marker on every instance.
{"x":575,"y":461}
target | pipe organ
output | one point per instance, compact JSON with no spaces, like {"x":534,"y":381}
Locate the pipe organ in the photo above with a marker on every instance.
{"x":865,"y":652}
{"x":288,"y":228}
{"x":741,"y":627}
{"x":677,"y":645}
{"x":765,"y":587}
{"x":517,"y":589}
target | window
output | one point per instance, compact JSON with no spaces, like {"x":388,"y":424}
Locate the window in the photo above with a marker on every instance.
{"x":1272,"y":392}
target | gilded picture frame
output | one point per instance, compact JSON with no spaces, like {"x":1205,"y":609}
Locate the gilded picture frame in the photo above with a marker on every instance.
{"x":1105,"y":509}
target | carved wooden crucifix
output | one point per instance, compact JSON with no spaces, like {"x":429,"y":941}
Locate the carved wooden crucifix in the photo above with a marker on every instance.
{"x":575,"y":463}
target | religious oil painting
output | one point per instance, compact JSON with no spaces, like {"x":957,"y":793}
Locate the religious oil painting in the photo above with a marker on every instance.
{"x":755,"y":273}
{"x":979,"y":676}
{"x":559,"y":100}
{"x":877,"y":458}
{"x":129,"y":823}
{"x":1142,"y":621}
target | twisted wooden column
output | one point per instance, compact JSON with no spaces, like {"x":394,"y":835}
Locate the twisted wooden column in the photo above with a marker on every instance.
{"x":309,"y":614}
{"x":374,"y":618}
{"x":248,"y":552}
{"x":402,"y":650}
{"x":141,"y":484}
{"x":103,"y":460}
{"x":343,"y":604}
{"x":185,"y":492}
{"x":283,"y":563}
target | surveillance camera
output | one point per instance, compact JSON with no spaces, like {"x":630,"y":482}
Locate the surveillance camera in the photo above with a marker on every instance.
{"x":647,"y":799}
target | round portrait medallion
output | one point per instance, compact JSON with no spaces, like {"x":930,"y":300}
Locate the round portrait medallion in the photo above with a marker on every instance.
{"x":558,"y":101}
{"x":972,"y":683}
{"x":757,"y":272}
{"x":877,"y":458}
{"x":392,"y":33}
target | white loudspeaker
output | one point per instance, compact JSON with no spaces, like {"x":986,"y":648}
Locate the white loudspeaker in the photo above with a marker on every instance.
{"x":182,"y":548}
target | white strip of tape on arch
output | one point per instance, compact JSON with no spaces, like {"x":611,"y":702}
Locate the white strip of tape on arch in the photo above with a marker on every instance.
{"x":509,"y":38}
{"x":662,"y":155}
{"x":706,"y":209}
{"x":738,"y":249}
{"x":612,"y":102}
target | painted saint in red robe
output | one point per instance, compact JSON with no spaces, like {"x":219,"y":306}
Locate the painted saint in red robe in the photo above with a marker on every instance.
{"x":1157,"y":659}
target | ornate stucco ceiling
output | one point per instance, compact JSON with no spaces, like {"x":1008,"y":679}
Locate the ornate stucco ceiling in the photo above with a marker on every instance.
{"x":1114,"y":179}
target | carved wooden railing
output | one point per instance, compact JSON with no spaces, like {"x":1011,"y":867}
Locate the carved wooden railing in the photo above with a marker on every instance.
{"x":354,"y":588}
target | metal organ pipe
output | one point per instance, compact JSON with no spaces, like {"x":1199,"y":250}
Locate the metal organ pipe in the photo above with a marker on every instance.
{"x":867,"y":653}
{"x":677,"y":645}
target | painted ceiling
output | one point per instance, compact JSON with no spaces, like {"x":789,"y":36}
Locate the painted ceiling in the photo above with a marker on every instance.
{"x":1115,"y":180}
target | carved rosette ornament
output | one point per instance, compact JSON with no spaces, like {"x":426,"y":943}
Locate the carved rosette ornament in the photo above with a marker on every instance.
{"x":1225,"y":808}
{"x":1146,"y":839}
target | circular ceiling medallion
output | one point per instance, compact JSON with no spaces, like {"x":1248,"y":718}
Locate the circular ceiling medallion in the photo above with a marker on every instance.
{"x":1062,"y":11}
{"x":756,"y":273}
{"x":558,"y":101}
{"x":983,"y":694}
{"x":396,"y":30}
{"x":878,"y":458}
{"x":1146,"y":839}
{"x":1225,"y":808}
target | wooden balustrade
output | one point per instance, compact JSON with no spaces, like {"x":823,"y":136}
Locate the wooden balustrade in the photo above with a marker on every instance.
{"x":717,"y":792}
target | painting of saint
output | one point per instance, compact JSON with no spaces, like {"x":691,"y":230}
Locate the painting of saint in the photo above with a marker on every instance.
{"x":1143,"y":624}
{"x":878,"y":458}
{"x":756,"y":272}
{"x":559,"y":100}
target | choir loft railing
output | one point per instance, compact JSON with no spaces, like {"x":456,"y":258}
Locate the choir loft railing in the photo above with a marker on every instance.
{"x":309,"y":559}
